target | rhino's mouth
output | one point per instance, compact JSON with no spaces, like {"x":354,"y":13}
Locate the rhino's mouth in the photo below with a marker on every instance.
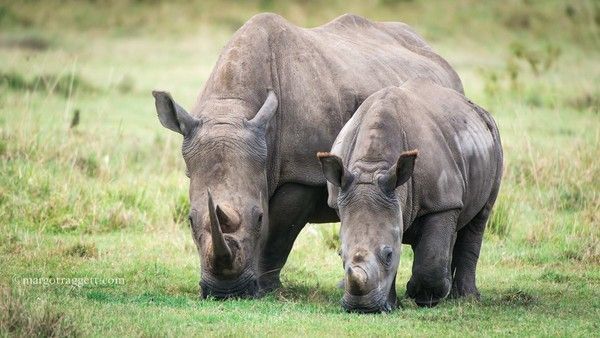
{"x":375,"y":301}
{"x":245,"y":286}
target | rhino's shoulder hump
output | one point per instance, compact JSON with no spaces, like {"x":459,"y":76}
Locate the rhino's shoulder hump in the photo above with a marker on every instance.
{"x":268,"y":21}
{"x":350,"y":19}
{"x":405,"y":33}
{"x":391,"y":95}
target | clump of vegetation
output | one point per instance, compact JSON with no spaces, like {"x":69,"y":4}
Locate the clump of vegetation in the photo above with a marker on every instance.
{"x":88,"y":164}
{"x":126,"y":85}
{"x":10,"y":243}
{"x":330,"y":233}
{"x":18,"y":319}
{"x":522,"y":61}
{"x":518,"y":297}
{"x":65,"y":85}
{"x":538,"y":60}
{"x":553,"y":276}
{"x":31,"y":42}
{"x":82,"y":250}
{"x":181,"y":210}
{"x":586,"y":102}
{"x":3,"y":143}
{"x":500,"y":219}
{"x":118,"y":217}
{"x":9,"y":18}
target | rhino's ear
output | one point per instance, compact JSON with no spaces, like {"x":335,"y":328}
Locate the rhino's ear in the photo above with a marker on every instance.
{"x":402,"y":170}
{"x":172,"y":115}
{"x":333,"y":169}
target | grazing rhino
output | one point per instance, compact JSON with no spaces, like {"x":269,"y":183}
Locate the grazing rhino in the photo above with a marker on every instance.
{"x":277,"y":95}
{"x":438,"y":203}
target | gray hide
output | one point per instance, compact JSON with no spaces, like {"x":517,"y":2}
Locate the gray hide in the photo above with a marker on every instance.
{"x":264,"y":180}
{"x":440,"y":210}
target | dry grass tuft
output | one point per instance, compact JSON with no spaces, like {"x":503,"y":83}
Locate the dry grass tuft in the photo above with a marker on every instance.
{"x":18,"y":319}
{"x":500,"y":219}
{"x":518,"y":297}
{"x":82,"y":250}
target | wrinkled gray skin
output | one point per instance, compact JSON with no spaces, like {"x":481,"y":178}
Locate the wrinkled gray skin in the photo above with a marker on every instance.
{"x":437,"y":201}
{"x":265,"y":182}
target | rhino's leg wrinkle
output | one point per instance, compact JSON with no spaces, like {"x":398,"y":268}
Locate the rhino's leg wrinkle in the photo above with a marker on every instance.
{"x":289,"y":210}
{"x":466,"y":254}
{"x":431,"y":280}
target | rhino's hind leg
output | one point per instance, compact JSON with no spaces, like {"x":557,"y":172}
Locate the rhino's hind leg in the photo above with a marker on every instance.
{"x":431,"y":280}
{"x":289,"y":211}
{"x":466,"y":254}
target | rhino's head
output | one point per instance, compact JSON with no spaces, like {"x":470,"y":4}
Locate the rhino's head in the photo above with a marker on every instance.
{"x":226,"y":158}
{"x":371,"y":229}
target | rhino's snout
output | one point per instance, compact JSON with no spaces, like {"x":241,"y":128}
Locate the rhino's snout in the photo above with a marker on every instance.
{"x":374,"y":301}
{"x":365,"y":289}
{"x":361,"y":273}
{"x":227,"y":268}
{"x":245,"y":286}
{"x":357,"y":280}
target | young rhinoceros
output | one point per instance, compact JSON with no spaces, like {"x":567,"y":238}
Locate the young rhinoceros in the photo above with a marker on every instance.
{"x":439,"y":204}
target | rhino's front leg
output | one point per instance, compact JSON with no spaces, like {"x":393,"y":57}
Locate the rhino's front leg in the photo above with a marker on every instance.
{"x":431,"y":279}
{"x":289,"y":210}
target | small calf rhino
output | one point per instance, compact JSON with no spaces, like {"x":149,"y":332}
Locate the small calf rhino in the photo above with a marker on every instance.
{"x":438,"y":203}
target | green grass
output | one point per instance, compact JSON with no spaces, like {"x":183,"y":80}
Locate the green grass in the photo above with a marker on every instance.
{"x":107,"y":197}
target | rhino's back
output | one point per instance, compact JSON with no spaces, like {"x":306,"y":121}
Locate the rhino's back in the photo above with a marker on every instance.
{"x":460,"y":155}
{"x":325,"y":73}
{"x":367,"y":36}
{"x":320,"y":75}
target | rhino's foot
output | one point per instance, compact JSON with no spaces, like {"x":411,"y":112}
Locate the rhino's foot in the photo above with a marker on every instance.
{"x":464,"y":290}
{"x":427,"y":294}
{"x":269,"y":284}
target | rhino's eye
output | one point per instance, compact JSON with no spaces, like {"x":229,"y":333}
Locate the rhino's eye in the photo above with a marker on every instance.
{"x":259,"y":219}
{"x":386,"y":254}
{"x":191,"y":220}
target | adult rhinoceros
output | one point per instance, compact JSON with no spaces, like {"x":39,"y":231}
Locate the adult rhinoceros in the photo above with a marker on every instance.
{"x":277,"y":95}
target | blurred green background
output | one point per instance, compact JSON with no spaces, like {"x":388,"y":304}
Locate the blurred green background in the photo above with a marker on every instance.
{"x":92,"y":186}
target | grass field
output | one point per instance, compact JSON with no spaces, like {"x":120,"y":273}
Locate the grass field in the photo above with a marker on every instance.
{"x":104,"y":195}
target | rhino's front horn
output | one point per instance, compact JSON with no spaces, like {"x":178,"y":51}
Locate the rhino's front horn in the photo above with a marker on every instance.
{"x":357,"y":280}
{"x":220,"y":247}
